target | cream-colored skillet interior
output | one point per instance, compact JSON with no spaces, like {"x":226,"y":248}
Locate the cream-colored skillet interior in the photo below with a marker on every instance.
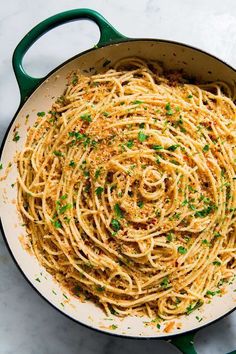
{"x":174,"y":56}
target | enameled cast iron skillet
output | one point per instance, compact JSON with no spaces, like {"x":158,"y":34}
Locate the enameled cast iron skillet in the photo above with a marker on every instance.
{"x":38,"y":95}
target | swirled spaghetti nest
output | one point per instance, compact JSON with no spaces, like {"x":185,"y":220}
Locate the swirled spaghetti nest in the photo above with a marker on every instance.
{"x":127,"y":188}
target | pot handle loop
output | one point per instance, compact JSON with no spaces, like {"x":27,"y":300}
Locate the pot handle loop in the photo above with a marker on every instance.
{"x":28,"y":84}
{"x":184,"y":343}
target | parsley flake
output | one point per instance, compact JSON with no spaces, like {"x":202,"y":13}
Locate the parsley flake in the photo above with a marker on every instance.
{"x":72,"y":163}
{"x":130,"y":144}
{"x":206,"y":148}
{"x":99,"y":191}
{"x":118,"y":212}
{"x":157,"y":147}
{"x":216,"y":263}
{"x":137,"y":102}
{"x":140,"y":204}
{"x":100,"y":288}
{"x":115,"y":225}
{"x":173,"y":147}
{"x":182,"y":250}
{"x":165,"y":282}
{"x":57,"y":153}
{"x":169,"y":110}
{"x":97,"y":172}
{"x":142,"y":137}
{"x":16,"y":137}
{"x":86,"y":117}
{"x":41,"y":114}
{"x":57,"y":224}
{"x":191,"y":307}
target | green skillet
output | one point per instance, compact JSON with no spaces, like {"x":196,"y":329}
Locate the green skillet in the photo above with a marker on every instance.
{"x":37,"y":94}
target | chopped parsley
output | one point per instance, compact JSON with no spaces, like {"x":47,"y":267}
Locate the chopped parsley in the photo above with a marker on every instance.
{"x":217,"y":234}
{"x":175,"y":162}
{"x":41,"y":114}
{"x":57,"y":153}
{"x":106,"y":114}
{"x":204,"y":212}
{"x":137,"y":102}
{"x":169,"y":110}
{"x":57,"y":224}
{"x":190,"y":96}
{"x":115,"y":225}
{"x":165,"y":283}
{"x":74,"y":79}
{"x":141,"y":125}
{"x":97,"y":172}
{"x":206,"y":243}
{"x":192,"y":308}
{"x":86,"y":117}
{"x":142,"y":137}
{"x":77,"y":135}
{"x":118,"y":212}
{"x":213,"y":293}
{"x":113,"y":326}
{"x":16,"y":137}
{"x":199,"y":318}
{"x":176,"y":216}
{"x":206,"y":148}
{"x":169,"y":236}
{"x":99,"y":191}
{"x":64,"y":196}
{"x":72,"y":163}
{"x":157,"y":147}
{"x":182,"y":250}
{"x":173,"y":147}
{"x":158,"y":160}
{"x":216,"y":263}
{"x":64,"y":208}
{"x":130,"y":144}
{"x":0,"y":166}
{"x":204,"y":199}
{"x":113,"y":312}
{"x":86,"y":173}
{"x":179,"y":123}
{"x":38,"y":280}
{"x":140,"y":204}
{"x":100,"y":288}
{"x":67,"y":220}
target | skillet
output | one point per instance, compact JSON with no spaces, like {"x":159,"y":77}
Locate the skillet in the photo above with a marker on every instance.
{"x":38,"y":94}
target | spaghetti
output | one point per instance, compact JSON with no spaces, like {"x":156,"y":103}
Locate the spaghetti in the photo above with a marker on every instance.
{"x":127,"y":189}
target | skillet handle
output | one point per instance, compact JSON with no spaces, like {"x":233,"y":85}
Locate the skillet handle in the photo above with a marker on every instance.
{"x":28,"y":84}
{"x":184,"y":343}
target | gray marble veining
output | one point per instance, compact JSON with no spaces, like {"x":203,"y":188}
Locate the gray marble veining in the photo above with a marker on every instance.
{"x":28,"y":325}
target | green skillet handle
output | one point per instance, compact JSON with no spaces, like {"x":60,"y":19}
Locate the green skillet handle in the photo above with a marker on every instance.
{"x":185,"y":343}
{"x":28,"y":84}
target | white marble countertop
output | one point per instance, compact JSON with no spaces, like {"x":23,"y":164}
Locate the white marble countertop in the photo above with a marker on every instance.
{"x":28,"y":325}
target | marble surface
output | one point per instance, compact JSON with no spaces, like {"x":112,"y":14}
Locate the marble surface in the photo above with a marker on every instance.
{"x":28,"y":325}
